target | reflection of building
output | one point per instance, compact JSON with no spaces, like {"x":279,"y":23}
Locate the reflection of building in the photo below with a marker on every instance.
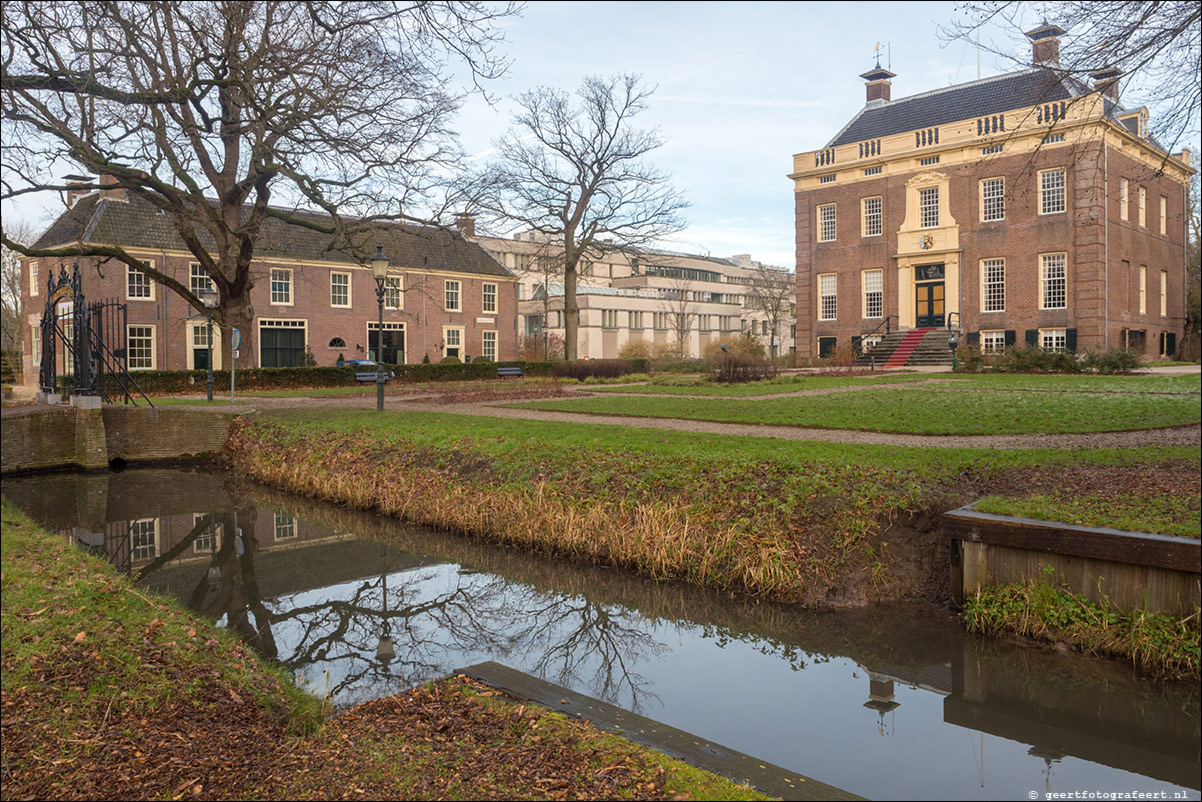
{"x":638,"y":294}
{"x":445,"y":296}
{"x":1027,"y":208}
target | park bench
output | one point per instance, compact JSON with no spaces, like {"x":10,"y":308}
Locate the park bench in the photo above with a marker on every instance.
{"x":503,"y":372}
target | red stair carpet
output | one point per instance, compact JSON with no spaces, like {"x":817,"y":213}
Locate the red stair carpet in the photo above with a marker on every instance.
{"x":906,"y":347}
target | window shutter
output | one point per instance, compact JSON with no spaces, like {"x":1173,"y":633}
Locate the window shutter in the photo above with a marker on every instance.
{"x":1010,"y":338}
{"x":1170,"y":346}
{"x":1032,"y":338}
{"x":972,"y":338}
{"x":1070,"y":339}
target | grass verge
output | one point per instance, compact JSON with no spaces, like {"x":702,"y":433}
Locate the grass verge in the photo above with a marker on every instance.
{"x":109,"y":692}
{"x":1178,"y":514}
{"x":935,"y":410}
{"x":1155,"y":643}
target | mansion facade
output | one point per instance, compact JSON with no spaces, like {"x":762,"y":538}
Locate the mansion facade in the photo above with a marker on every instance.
{"x":1026,"y":209}
{"x":444,"y":296}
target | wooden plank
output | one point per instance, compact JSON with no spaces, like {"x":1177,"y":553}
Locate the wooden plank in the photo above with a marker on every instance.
{"x":1137,"y":548}
{"x":693,"y":749}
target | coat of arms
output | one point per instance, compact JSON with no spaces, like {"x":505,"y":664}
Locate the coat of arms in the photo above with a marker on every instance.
{"x":926,"y":242}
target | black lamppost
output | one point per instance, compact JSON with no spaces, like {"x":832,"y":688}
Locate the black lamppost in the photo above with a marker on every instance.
{"x":385,"y":650}
{"x":953,"y":343}
{"x":379,"y":269}
{"x":208,"y":297}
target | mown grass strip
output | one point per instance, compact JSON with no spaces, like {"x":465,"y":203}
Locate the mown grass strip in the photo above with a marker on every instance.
{"x":780,"y":384}
{"x":1153,"y":642}
{"x":1168,"y":515}
{"x":926,"y":410}
{"x":110,"y":691}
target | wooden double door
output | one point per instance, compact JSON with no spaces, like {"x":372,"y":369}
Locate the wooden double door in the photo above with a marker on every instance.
{"x":930,"y":308}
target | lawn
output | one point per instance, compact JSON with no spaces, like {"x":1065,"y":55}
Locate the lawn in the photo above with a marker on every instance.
{"x":1168,"y":514}
{"x":780,"y":384}
{"x":938,"y":409}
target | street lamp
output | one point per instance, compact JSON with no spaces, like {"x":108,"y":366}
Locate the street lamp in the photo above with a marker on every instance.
{"x":208,"y":297}
{"x":379,"y":269}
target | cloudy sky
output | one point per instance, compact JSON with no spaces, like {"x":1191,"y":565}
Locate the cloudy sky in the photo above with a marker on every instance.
{"x":741,"y":88}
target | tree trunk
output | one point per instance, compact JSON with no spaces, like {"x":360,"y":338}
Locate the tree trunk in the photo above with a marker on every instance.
{"x":237,"y":313}
{"x":570,"y":314}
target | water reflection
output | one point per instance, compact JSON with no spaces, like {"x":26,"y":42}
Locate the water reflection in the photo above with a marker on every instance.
{"x":358,"y":606}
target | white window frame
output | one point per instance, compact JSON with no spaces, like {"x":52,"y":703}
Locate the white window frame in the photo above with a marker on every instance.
{"x":1053,"y":196}
{"x":928,"y":207}
{"x":33,"y":279}
{"x":1143,"y":207}
{"x":394,"y":289}
{"x":1049,"y":283}
{"x":828,"y":290}
{"x":993,"y":341}
{"x":146,"y":281}
{"x":1124,"y":199}
{"x":347,"y":287}
{"x":993,"y":277}
{"x":993,"y":199}
{"x":488,"y":298}
{"x":374,"y":325}
{"x":1164,"y":213}
{"x":285,"y":524}
{"x":488,"y":351}
{"x":153,"y":346}
{"x":191,"y":330}
{"x":137,"y":550}
{"x":199,"y":280}
{"x":459,"y":338}
{"x":209,"y":541}
{"x":35,"y":344}
{"x":286,"y":280}
{"x":827,"y":226}
{"x":1053,"y":339}
{"x":1143,"y":289}
{"x":873,"y":218}
{"x":1164,"y":293}
{"x":447,"y":298}
{"x":874,"y":298}
{"x":279,"y":323}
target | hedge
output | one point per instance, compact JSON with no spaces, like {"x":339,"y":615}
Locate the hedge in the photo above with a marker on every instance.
{"x":165,"y":382}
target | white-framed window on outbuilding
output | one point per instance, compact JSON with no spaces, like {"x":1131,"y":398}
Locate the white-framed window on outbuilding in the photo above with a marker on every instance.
{"x":1164,"y":293}
{"x":198,"y":280}
{"x":488,"y":299}
{"x":394,"y":297}
{"x":282,"y":343}
{"x":285,"y":526}
{"x":139,"y":348}
{"x":1143,"y":207}
{"x":1164,"y":213}
{"x":826,"y":222}
{"x":1051,"y":191}
{"x":138,"y":286}
{"x":33,"y":279}
{"x":1053,"y":339}
{"x":827,"y":296}
{"x":873,"y":293}
{"x":488,"y":346}
{"x":1124,"y":199}
{"x":452,"y":291}
{"x":281,"y":286}
{"x":452,"y":337}
{"x":1143,"y":289}
{"x":143,"y":539}
{"x":1053,"y":280}
{"x":35,"y":344}
{"x":993,"y":285}
{"x":340,"y":290}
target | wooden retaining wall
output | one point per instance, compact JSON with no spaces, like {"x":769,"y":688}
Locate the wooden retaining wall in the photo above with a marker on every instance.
{"x":1133,"y":570}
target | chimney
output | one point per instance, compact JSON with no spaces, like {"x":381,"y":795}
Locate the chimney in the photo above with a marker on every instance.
{"x":878,"y":83}
{"x":466,"y":224}
{"x":77,"y":187}
{"x":1107,"y":82}
{"x":108,"y":188}
{"x":1045,"y":45}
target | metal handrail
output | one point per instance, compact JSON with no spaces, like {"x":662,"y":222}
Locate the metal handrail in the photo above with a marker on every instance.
{"x":884,"y":323}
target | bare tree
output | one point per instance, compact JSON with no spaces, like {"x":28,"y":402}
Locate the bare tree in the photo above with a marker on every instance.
{"x":225,"y":114}
{"x":578,"y":175}
{"x":773,"y":294}
{"x":678,"y":304}
{"x":11,"y":308}
{"x":1156,"y":44}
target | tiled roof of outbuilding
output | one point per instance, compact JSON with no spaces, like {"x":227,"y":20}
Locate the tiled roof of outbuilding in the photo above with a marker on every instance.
{"x":962,"y":102}
{"x":135,"y":223}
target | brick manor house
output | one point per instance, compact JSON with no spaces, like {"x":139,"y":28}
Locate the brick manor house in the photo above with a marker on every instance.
{"x":445,"y":296}
{"x":1027,"y":208}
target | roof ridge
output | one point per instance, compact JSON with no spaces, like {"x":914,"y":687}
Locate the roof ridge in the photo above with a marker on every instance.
{"x":978,"y":82}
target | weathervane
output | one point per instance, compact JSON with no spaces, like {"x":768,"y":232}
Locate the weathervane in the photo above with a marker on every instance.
{"x":876,"y":53}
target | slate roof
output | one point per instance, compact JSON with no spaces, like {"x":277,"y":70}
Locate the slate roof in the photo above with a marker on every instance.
{"x":137,"y":224}
{"x":994,"y":95}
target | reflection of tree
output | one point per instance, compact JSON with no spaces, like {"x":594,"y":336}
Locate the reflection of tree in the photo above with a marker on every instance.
{"x":575,"y":635}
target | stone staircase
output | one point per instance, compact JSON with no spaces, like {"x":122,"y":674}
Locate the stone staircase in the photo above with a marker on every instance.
{"x":910,"y":348}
